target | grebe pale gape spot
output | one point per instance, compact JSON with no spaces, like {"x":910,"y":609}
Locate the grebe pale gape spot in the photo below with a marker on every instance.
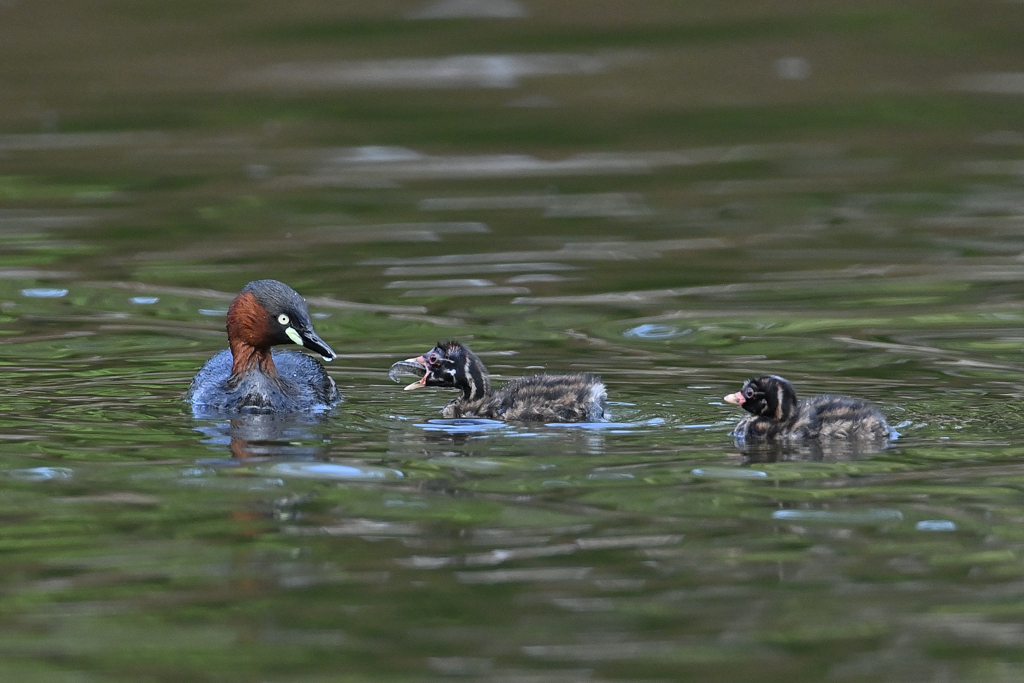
{"x":579,"y":397}
{"x":776,"y":414}
{"x":250,"y":378}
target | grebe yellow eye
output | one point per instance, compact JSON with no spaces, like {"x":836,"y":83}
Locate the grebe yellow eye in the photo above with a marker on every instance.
{"x":283,"y":319}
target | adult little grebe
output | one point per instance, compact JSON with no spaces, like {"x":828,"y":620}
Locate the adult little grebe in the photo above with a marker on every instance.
{"x":578,"y":397}
{"x":776,"y":413}
{"x":248,"y":377}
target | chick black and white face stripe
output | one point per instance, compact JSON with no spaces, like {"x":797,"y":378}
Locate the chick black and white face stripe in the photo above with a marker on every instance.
{"x":441,"y":368}
{"x":471,"y":371}
{"x":770,"y":397}
{"x":449,"y":364}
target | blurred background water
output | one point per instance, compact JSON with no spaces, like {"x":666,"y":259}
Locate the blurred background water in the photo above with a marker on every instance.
{"x":673,"y":195}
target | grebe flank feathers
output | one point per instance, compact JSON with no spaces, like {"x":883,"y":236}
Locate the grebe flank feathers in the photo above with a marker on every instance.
{"x":250,"y":378}
{"x":776,"y":414}
{"x":579,"y":397}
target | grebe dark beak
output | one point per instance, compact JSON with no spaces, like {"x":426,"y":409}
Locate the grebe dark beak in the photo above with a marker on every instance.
{"x":412,"y":366}
{"x":735,"y":399}
{"x":310,"y":340}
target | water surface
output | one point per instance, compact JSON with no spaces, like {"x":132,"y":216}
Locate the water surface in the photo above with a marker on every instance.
{"x":662,"y":202}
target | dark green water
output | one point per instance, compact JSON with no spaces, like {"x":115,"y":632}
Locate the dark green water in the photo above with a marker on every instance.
{"x":640,"y":191}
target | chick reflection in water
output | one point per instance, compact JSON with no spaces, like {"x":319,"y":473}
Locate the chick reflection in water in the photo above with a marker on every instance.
{"x":579,"y":397}
{"x":780,"y":427}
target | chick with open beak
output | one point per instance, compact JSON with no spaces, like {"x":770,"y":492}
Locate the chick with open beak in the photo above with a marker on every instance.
{"x":414,"y":367}
{"x":578,"y":397}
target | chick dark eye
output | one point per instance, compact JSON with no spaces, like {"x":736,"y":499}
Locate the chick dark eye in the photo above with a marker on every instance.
{"x":433,"y":358}
{"x":748,"y":392}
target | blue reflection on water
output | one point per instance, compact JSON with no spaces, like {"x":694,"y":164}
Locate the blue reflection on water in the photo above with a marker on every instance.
{"x":44,"y":293}
{"x":650,"y":331}
{"x":865,"y":517}
{"x":728,"y":473}
{"x":462,"y":425}
{"x":330,"y":470}
{"x":41,"y":474}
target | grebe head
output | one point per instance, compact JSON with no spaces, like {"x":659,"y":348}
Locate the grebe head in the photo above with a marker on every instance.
{"x":769,"y":396}
{"x":449,"y":364}
{"x":267,"y":313}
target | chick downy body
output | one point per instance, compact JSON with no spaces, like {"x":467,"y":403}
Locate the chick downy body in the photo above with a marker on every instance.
{"x":777,"y":414}
{"x":577,"y":397}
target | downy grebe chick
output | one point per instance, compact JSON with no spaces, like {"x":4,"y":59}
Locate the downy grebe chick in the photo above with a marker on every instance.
{"x":578,"y":397}
{"x":776,"y":414}
{"x":248,"y":377}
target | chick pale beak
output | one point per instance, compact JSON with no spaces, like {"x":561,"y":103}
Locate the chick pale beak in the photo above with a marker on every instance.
{"x":735,"y":399}
{"x":410,"y":366}
{"x":313,"y":342}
